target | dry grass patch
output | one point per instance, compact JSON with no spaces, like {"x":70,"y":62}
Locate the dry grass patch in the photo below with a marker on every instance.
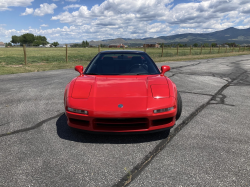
{"x":12,"y":69}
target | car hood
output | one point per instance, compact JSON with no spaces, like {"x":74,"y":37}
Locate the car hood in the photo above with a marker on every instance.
{"x":120,"y":86}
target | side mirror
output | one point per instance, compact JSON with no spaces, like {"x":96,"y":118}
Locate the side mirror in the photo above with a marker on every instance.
{"x":79,"y":69}
{"x":164,"y":69}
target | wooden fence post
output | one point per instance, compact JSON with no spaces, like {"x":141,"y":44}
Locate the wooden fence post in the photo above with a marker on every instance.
{"x":66,"y":52}
{"x":244,"y":48}
{"x":190,"y":52}
{"x":178,"y":50}
{"x":124,"y":47}
{"x":239,"y":49}
{"x":99,"y":49}
{"x":201,"y":49}
{"x":233,"y":48}
{"x":219,"y":50}
{"x":25,"y":56}
{"x":162,"y":50}
{"x":226,"y":49}
{"x":211,"y":49}
{"x":145,"y":50}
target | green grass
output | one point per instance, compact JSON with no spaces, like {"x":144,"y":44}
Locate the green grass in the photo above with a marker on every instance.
{"x":43,"y":59}
{"x":14,"y":56}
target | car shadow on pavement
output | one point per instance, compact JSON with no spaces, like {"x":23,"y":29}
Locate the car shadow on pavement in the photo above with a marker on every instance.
{"x":65,"y":132}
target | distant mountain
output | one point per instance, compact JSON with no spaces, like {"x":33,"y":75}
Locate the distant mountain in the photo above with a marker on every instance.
{"x":126,"y":38}
{"x":230,"y":35}
{"x":147,"y":38}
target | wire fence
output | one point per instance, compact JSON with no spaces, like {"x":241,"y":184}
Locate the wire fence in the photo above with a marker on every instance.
{"x":29,"y":55}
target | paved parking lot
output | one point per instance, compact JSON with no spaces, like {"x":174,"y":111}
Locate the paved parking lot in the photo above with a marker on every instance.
{"x":209,"y":146}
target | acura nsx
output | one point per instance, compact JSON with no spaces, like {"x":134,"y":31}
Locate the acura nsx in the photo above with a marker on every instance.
{"x":122,"y":91}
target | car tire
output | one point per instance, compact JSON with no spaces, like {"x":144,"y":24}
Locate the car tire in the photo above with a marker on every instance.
{"x":179,"y":106}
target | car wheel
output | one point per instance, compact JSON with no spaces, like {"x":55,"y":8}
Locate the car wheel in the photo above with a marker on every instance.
{"x":179,"y":106}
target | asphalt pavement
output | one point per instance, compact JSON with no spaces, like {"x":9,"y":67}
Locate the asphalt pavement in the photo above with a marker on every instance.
{"x":209,"y":145}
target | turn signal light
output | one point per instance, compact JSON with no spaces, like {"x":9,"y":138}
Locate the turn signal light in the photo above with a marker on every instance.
{"x":78,"y":111}
{"x":163,"y":110}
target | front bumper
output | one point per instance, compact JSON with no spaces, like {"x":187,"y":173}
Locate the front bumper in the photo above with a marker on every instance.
{"x":143,"y":122}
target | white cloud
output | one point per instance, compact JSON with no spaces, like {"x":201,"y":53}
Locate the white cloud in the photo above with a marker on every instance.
{"x":44,"y":25}
{"x":45,"y":8}
{"x":72,"y":0}
{"x":131,"y":18}
{"x":5,"y":4}
{"x":130,"y":10}
{"x":71,"y":6}
{"x":28,"y":11}
{"x":243,"y":27}
{"x":142,"y":18}
{"x":246,"y":9}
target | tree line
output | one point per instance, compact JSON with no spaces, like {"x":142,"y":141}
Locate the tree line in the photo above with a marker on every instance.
{"x":30,"y":39}
{"x":83,"y":44}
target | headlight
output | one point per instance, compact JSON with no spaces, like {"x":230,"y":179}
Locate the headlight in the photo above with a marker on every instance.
{"x":78,"y":111}
{"x":163,"y":110}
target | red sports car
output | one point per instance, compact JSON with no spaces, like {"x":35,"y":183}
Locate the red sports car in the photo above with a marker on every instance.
{"x":122,"y":91}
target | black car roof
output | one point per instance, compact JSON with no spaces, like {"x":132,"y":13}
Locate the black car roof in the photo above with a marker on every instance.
{"x":122,"y":51}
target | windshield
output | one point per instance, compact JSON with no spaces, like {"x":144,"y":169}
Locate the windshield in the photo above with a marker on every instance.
{"x":122,"y":64}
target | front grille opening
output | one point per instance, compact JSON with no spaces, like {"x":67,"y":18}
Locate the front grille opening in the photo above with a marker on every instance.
{"x":164,"y":121}
{"x":121,"y":120}
{"x":79,"y":122}
{"x":121,"y":124}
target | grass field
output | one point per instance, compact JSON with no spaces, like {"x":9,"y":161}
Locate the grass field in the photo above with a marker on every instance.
{"x":42,"y":59}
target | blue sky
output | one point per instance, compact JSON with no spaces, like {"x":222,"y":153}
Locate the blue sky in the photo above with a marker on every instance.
{"x":69,"y":21}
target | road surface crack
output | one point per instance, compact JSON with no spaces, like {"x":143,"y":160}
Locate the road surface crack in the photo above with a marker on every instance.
{"x":135,"y":172}
{"x":194,"y":93}
{"x":32,"y":127}
{"x":4,"y":124}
